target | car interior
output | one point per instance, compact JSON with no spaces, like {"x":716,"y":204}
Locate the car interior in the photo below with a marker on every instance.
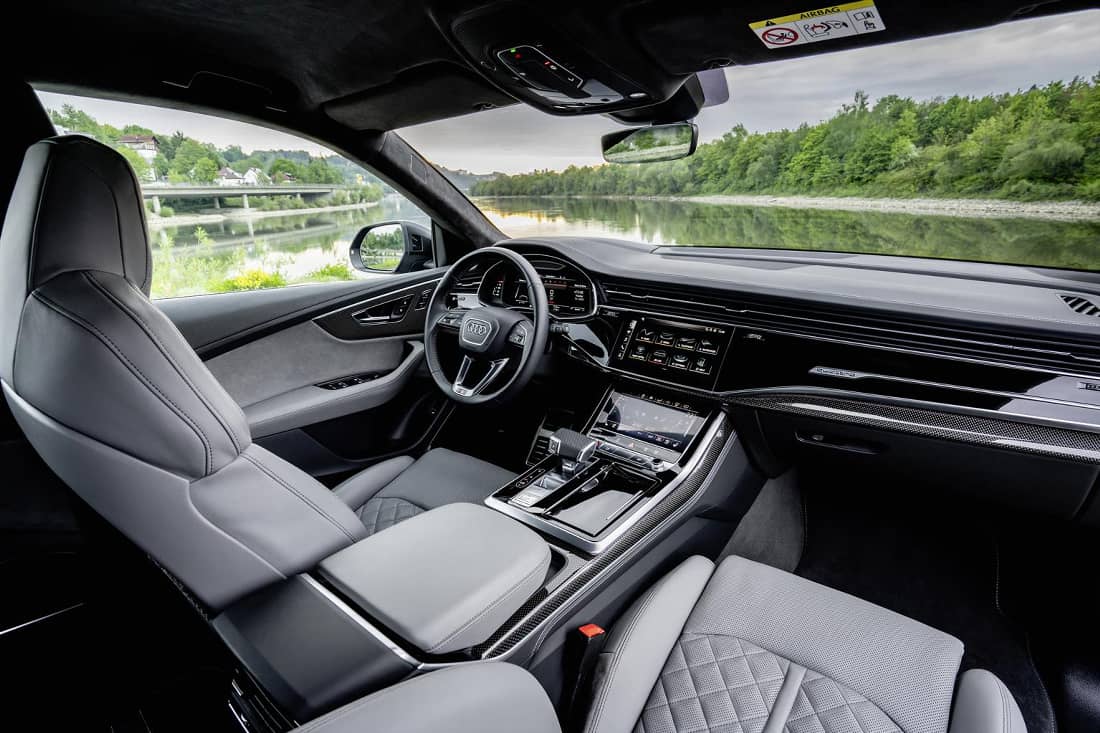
{"x":522,"y":484}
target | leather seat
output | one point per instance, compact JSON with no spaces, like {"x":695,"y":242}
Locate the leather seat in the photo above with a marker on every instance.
{"x":741,"y":648}
{"x":117,"y":403}
{"x":399,"y":488}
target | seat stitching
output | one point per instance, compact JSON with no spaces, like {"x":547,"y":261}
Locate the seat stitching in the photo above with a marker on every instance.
{"x":133,"y":369}
{"x":141,"y":323}
{"x":278,"y":479}
{"x":534,"y":571}
{"x":1006,"y":720}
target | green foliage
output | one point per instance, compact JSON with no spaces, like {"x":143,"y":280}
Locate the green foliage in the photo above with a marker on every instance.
{"x":256,"y":279}
{"x":1041,"y":142}
{"x":167,"y":210}
{"x":330,"y":273}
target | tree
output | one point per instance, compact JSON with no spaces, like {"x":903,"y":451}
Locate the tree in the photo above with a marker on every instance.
{"x":285,"y":167}
{"x":141,"y":167}
{"x":205,"y":171}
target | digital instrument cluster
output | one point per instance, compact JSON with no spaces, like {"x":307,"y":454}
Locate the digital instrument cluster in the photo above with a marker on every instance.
{"x":569,"y":292}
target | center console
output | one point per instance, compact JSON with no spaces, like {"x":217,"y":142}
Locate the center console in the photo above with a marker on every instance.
{"x":594,"y":486}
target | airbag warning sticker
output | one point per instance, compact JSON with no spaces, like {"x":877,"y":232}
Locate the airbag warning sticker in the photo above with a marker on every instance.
{"x":836,"y":21}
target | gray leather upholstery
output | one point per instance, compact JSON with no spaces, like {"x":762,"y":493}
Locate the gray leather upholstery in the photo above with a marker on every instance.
{"x":446,"y":579}
{"x":118,"y":404}
{"x":399,"y":488}
{"x":984,"y":705}
{"x":476,"y":698}
{"x":759,"y":650}
{"x":641,"y":642}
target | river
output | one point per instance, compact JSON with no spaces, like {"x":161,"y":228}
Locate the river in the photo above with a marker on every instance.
{"x":314,"y":247}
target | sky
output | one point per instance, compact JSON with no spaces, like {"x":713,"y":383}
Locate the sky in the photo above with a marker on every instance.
{"x":771,"y":96}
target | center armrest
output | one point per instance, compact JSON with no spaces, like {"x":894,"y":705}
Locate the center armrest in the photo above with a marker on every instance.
{"x":446,"y":579}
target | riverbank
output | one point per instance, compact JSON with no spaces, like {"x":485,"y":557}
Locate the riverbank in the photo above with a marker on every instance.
{"x":160,"y":222}
{"x":1073,"y":211}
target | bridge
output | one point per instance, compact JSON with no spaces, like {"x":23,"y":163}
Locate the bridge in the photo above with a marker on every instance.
{"x":158,"y":191}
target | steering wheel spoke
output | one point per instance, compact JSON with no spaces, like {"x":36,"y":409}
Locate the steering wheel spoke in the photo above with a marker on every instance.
{"x":495,"y":367}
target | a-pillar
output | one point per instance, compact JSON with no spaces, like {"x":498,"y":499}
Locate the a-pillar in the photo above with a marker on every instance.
{"x":244,"y":198}
{"x":156,"y":205}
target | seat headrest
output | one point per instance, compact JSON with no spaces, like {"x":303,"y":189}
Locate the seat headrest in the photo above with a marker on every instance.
{"x":85,"y":212}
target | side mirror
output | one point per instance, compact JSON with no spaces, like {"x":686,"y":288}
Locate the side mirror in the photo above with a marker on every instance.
{"x":391,"y":246}
{"x":651,"y":144}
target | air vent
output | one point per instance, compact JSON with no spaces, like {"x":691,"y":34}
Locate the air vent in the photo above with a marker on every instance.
{"x":1084,"y":306}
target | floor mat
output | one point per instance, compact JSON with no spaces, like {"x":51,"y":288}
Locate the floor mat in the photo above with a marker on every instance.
{"x":923,"y":558}
{"x":773,"y":530}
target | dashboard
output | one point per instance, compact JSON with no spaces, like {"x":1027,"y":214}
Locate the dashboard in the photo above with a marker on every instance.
{"x":859,"y":356}
{"x":570,"y":293}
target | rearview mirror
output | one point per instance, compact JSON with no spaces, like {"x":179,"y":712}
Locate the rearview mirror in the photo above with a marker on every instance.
{"x":391,"y":246}
{"x":651,"y":144}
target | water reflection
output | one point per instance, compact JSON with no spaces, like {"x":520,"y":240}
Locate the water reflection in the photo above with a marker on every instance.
{"x":1073,"y":245}
{"x":273,"y":250}
{"x":294,"y":248}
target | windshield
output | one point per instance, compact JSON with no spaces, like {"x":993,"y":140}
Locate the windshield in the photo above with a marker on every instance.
{"x":983,"y":145}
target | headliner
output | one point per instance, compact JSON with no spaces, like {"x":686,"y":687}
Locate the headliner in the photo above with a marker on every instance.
{"x":385,"y":64}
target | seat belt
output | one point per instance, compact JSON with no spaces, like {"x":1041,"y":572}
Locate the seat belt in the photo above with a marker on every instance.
{"x":582,"y":652}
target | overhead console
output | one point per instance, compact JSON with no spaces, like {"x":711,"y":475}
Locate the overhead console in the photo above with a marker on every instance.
{"x":559,"y":72}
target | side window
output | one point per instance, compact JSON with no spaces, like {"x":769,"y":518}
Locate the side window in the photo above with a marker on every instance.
{"x":232,"y":206}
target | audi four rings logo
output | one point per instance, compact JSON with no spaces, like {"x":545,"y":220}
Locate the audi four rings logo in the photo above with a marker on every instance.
{"x":476,"y":331}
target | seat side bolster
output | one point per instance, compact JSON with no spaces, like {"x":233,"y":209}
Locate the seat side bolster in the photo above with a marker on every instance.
{"x":640,"y":644}
{"x":984,"y":705}
{"x":480,"y":698}
{"x":360,"y":488}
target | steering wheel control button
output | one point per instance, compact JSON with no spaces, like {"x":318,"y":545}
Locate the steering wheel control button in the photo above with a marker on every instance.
{"x":518,"y":336}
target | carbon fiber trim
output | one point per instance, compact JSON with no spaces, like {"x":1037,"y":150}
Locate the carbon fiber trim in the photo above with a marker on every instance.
{"x":538,"y":609}
{"x":1026,"y":438}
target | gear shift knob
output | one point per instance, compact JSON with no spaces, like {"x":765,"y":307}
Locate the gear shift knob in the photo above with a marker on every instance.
{"x":575,"y":449}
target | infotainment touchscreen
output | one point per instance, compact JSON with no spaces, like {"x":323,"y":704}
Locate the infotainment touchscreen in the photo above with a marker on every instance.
{"x":675,"y":351}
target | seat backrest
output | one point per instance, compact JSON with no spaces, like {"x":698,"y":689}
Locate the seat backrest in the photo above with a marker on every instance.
{"x":119,"y":405}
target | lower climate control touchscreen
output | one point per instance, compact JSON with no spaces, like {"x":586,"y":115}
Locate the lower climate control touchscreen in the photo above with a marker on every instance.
{"x":685,"y":353}
{"x":646,"y":426}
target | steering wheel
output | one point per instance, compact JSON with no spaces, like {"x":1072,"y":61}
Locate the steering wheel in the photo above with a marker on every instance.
{"x":497,"y":344}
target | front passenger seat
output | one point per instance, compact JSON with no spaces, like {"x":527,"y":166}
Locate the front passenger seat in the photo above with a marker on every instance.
{"x":121,"y":408}
{"x":741,"y":648}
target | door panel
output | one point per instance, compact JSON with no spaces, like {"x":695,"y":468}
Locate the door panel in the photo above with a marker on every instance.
{"x":330,"y":382}
{"x":218,"y":323}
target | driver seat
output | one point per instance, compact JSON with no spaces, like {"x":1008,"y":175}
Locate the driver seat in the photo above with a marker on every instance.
{"x":395,"y":490}
{"x":117,"y":403}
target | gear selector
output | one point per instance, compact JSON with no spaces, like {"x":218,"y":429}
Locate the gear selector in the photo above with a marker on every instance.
{"x":575,"y":450}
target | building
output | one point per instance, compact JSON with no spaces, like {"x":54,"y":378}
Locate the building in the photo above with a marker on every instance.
{"x":256,"y":177}
{"x":229,"y":177}
{"x":147,"y":146}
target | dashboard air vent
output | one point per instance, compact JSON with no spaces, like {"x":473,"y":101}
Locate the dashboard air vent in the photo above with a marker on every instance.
{"x":1084,"y":306}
